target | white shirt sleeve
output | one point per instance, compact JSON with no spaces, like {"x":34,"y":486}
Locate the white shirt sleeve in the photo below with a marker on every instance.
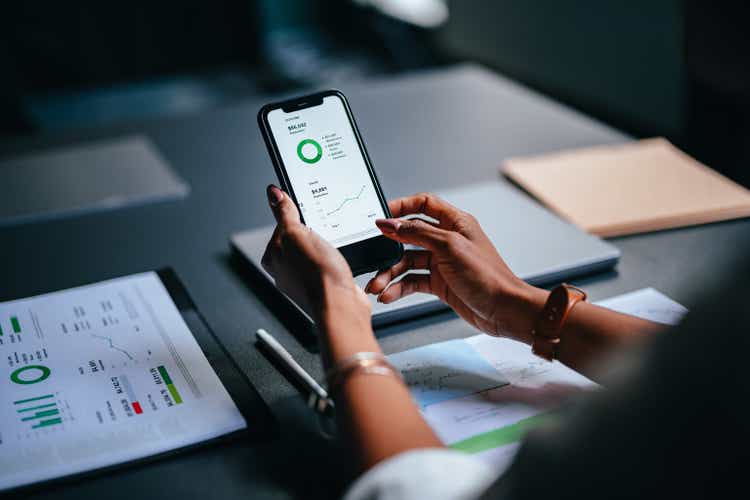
{"x":438,"y":474}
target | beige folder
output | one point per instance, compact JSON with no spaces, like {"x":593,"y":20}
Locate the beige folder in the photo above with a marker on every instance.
{"x":637,"y":187}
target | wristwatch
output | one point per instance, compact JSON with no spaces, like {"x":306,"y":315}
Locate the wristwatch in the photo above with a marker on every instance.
{"x":546,"y":332}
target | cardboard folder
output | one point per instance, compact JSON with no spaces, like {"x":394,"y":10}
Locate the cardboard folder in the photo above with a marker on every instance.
{"x":642,"y":186}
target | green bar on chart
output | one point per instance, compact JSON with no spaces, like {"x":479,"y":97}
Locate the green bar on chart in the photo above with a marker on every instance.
{"x":29,"y":400}
{"x":45,"y":423}
{"x":15,"y":323}
{"x":172,"y":389}
{"x":36,"y":407}
{"x":500,"y":437}
{"x":42,"y":414}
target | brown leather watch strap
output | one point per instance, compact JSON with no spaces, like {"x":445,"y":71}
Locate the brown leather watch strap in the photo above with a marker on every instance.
{"x":546,"y":333}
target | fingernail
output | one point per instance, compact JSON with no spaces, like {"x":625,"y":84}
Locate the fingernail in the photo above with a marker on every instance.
{"x":274,"y":195}
{"x":388,"y":225}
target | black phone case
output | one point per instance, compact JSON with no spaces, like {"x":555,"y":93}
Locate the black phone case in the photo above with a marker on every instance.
{"x":349,"y":251}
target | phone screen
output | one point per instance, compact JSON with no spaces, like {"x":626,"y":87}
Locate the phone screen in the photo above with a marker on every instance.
{"x":327,"y":171}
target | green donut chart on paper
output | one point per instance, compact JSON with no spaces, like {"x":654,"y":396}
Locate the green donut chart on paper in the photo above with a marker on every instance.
{"x":309,"y":159}
{"x":44,"y":372}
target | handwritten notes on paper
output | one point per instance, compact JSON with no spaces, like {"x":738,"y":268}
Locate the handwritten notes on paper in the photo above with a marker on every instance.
{"x":444,"y":371}
{"x":481,"y":394}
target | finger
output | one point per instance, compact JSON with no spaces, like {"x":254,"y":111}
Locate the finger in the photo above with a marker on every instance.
{"x":427,"y":204}
{"x":409,"y":284}
{"x":416,"y":232}
{"x":282,"y":206}
{"x":412,"y":259}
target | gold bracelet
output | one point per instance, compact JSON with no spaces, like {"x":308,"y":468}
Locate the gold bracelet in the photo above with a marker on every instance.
{"x":368,"y":363}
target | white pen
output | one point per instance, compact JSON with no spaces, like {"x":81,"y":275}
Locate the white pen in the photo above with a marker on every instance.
{"x":318,"y":397}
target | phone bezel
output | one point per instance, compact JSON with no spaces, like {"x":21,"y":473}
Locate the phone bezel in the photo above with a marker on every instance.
{"x":363,"y":256}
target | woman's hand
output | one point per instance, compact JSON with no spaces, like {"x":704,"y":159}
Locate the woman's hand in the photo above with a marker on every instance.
{"x":466,"y":272}
{"x":376,"y":414}
{"x":309,"y":270}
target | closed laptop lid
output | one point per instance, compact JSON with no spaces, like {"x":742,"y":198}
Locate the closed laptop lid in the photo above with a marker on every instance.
{"x":538,"y":246}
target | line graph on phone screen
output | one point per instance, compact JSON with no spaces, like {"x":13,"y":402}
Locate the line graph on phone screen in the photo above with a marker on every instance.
{"x":341,"y":212}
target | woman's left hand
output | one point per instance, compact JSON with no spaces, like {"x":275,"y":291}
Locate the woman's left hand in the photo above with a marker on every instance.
{"x":376,"y":414}
{"x":307,"y":268}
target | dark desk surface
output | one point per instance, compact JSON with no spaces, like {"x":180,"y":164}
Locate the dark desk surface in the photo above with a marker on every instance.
{"x":424,"y":132}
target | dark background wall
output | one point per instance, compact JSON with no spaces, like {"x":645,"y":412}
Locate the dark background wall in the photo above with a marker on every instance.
{"x":620,"y":60}
{"x":674,"y":68}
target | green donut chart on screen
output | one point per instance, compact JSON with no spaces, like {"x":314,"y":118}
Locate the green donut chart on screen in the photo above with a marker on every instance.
{"x":309,"y":151}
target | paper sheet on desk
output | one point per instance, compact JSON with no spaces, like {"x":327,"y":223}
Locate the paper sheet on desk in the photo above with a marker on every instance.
{"x":101,"y":375}
{"x":647,"y":303}
{"x":481,"y":394}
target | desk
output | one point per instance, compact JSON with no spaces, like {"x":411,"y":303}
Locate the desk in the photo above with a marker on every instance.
{"x":425,"y":132}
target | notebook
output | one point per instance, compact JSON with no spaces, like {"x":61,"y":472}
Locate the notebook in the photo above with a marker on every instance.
{"x":91,"y":177}
{"x":642,"y":186}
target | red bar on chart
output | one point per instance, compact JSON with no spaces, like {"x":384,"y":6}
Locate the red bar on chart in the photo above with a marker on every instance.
{"x":131,"y":395}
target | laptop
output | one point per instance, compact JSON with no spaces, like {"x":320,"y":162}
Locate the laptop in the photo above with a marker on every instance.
{"x":537,"y":245}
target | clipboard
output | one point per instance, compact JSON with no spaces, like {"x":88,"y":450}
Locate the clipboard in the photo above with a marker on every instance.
{"x":261,"y":425}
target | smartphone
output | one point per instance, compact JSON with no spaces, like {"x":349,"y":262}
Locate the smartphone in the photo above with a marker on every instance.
{"x":321,"y":161}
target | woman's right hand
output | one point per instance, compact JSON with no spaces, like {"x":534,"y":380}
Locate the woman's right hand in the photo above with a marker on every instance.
{"x":466,"y":271}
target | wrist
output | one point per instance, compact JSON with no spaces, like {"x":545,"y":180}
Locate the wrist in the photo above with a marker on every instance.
{"x":528,"y":303}
{"x":343,"y":320}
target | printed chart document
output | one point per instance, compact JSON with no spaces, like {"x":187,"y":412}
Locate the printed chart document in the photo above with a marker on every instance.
{"x":100,"y":375}
{"x":482,"y":394}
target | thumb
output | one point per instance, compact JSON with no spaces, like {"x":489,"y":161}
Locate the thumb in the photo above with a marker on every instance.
{"x":414,"y":232}
{"x":282,"y":206}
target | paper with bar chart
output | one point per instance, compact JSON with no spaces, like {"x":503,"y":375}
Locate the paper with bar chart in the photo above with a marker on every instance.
{"x":482,"y":394}
{"x":100,"y":375}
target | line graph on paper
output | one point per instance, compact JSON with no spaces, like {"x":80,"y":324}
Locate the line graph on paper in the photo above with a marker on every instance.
{"x":445,"y":371}
{"x":114,"y":346}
